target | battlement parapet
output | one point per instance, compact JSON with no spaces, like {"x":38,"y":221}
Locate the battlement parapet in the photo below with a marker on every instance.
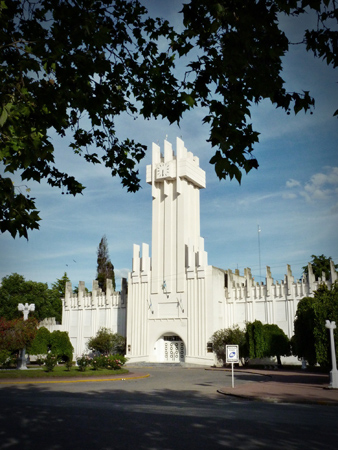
{"x":245,"y":288}
{"x":95,"y":299}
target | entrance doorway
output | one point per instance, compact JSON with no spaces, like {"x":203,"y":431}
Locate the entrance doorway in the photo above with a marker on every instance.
{"x":171,"y":349}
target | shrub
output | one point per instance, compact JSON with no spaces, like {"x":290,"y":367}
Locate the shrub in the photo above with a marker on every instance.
{"x":60,"y":345}
{"x":228,"y":336}
{"x":57,"y":342}
{"x":83,"y":362}
{"x":98,"y":362}
{"x":266,"y":341}
{"x":17,"y":334}
{"x":41,"y":342}
{"x":5,"y":358}
{"x":113,"y":362}
{"x":106,"y":342}
{"x":50,"y":361}
{"x":69,"y":364}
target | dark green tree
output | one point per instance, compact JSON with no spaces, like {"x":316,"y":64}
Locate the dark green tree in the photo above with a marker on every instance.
{"x":41,"y":343}
{"x":257,"y":345}
{"x":311,"y":337}
{"x":265,"y":341}
{"x":60,"y":345}
{"x":105,"y":269}
{"x":320,"y":264}
{"x":72,"y":67}
{"x":303,"y":341}
{"x":278,"y":342}
{"x":239,"y":46}
{"x":57,"y":342}
{"x":106,"y":342}
{"x":228,"y":336}
{"x":60,"y":285}
{"x":15,"y":289}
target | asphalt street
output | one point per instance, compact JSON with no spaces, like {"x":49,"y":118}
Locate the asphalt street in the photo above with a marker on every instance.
{"x":174,"y":408}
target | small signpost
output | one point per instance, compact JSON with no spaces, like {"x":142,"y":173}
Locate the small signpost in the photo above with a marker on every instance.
{"x":232,"y":356}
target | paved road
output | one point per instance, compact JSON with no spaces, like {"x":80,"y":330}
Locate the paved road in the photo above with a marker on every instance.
{"x":175,"y":408}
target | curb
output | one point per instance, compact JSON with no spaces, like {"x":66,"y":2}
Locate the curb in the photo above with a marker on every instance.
{"x":271,"y":399}
{"x":87,"y":380}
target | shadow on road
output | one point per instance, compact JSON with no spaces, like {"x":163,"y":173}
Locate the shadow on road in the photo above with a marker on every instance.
{"x":37,"y":417}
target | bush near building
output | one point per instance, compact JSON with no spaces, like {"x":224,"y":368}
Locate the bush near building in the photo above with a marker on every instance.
{"x":57,"y":343}
{"x":266,"y":341}
{"x":107,"y":343}
{"x":256,"y":341}
{"x":228,"y":336}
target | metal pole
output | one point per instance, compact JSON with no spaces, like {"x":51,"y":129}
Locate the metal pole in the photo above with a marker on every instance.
{"x":259,"y":253}
{"x":232,"y":376}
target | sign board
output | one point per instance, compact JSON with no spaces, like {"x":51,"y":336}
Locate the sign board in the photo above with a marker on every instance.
{"x":232,"y":354}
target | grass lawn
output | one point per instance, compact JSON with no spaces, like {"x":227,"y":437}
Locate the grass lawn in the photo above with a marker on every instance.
{"x":59,"y":371}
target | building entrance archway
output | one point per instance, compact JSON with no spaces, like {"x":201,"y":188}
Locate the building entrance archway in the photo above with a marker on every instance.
{"x":170,"y":349}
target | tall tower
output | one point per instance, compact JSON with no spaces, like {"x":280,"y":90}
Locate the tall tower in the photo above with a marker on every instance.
{"x":167,"y":293}
{"x":176,"y":182}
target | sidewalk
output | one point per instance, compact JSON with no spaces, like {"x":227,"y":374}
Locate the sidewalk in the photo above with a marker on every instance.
{"x":280,"y":386}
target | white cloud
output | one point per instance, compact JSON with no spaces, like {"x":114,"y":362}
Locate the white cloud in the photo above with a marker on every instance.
{"x":289,"y":195}
{"x":292,"y":183}
{"x":334,"y":209}
{"x":320,"y":187}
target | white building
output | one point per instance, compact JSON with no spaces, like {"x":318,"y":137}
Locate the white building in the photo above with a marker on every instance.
{"x":176,"y":301}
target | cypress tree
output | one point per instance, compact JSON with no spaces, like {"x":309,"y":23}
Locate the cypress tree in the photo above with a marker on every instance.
{"x":105,"y":269}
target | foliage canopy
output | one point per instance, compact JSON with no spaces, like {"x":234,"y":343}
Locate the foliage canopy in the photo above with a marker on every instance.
{"x":69,"y":68}
{"x":311,"y":339}
{"x":17,"y":334}
{"x":228,"y":336}
{"x":107,"y":343}
{"x":57,"y":343}
{"x":105,"y":268}
{"x":320,"y":264}
{"x":266,"y":341}
{"x":15,"y":289}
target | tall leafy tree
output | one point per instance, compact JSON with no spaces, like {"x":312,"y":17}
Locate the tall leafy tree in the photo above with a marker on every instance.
{"x":60,"y":285}
{"x":15,"y":289}
{"x":303,"y":341}
{"x":311,"y":337}
{"x":71,"y":67}
{"x":105,"y":269}
{"x":278,"y":342}
{"x":320,"y":264}
{"x":257,"y":345}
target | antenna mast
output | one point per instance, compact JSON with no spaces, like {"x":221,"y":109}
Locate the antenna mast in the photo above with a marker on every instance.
{"x":259,"y":252}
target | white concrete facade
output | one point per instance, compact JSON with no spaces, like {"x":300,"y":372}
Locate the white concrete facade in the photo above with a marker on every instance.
{"x":83,"y":314}
{"x":176,"y":301}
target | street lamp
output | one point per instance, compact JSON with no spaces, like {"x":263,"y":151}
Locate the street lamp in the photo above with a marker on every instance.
{"x":25,"y":309}
{"x":334,"y":373}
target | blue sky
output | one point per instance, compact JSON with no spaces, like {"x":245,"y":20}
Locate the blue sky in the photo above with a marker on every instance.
{"x":293,"y":196}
